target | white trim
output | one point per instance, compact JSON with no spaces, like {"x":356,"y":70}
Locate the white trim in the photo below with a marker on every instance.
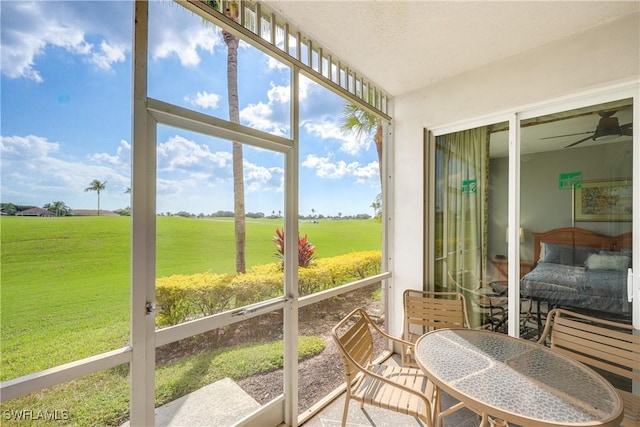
{"x":24,"y":385}
{"x":635,"y":306}
{"x":584,"y":98}
{"x":291,"y":189}
{"x":193,"y":121}
{"x":513,"y":221}
{"x":143,"y":233}
{"x":323,"y":295}
{"x":270,"y":414}
{"x":199,"y":326}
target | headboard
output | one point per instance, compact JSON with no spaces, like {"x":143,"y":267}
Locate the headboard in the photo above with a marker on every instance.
{"x":580,"y":237}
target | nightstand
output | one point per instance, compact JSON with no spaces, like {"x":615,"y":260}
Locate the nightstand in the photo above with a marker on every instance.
{"x":502,"y":267}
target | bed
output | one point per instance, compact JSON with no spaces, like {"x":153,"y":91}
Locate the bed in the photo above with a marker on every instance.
{"x":579,"y":269}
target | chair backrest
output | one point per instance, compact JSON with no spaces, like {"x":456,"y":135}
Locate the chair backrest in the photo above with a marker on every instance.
{"x":427,"y":310}
{"x":611,"y":348}
{"x":354,"y":340}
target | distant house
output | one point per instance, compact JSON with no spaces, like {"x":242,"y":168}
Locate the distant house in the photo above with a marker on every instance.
{"x":36,"y":212}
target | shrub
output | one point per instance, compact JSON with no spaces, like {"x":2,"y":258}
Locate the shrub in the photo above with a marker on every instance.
{"x":306,"y":251}
{"x":185,"y":297}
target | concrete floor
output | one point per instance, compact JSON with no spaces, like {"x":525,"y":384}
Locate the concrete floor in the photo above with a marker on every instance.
{"x":331,"y":416}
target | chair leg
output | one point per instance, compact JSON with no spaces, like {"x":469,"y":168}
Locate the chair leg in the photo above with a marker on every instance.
{"x":345,"y":412}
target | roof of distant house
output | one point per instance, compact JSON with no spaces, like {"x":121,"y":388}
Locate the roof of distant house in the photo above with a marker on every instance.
{"x":35,"y":212}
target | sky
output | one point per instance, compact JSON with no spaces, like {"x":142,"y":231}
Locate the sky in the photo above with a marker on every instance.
{"x":66,"y":119}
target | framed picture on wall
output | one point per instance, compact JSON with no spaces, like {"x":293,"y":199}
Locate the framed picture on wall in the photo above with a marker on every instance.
{"x":609,"y":200}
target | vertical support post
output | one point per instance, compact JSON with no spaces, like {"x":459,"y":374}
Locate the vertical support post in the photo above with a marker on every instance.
{"x":291,"y":263}
{"x":513,"y":248}
{"x":143,"y":222}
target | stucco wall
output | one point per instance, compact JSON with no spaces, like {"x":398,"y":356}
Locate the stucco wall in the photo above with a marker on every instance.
{"x":597,"y":58}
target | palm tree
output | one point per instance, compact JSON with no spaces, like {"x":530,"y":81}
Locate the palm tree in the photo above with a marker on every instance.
{"x":232,"y":42}
{"x":360,"y":122}
{"x":97,"y":186}
{"x":59,"y":208}
{"x":234,"y":116}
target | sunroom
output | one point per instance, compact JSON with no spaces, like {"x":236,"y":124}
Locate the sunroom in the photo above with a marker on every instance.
{"x":489,"y":128}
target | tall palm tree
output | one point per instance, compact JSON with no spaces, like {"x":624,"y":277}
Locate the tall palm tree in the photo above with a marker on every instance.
{"x":97,"y":186}
{"x":234,"y":116}
{"x":356,"y":120}
{"x":232,"y":42}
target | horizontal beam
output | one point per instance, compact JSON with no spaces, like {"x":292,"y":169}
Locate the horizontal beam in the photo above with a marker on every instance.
{"x":183,"y":118}
{"x":64,"y":373}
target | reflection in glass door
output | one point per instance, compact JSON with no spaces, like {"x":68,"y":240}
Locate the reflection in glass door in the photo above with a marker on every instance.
{"x":470,"y":222}
{"x":576,"y":170}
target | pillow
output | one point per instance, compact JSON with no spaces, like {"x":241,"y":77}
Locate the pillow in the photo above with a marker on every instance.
{"x":565,"y":254}
{"x":608,"y":262}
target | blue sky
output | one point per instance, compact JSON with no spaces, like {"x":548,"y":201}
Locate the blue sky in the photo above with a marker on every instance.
{"x":66,"y":115}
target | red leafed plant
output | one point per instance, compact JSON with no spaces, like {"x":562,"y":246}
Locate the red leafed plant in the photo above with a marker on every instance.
{"x":306,"y":251}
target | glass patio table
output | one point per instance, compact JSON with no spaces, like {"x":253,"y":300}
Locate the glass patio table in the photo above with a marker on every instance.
{"x":519,"y":381}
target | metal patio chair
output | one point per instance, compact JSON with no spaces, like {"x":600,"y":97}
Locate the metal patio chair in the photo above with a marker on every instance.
{"x":611,"y":348}
{"x":401,"y":389}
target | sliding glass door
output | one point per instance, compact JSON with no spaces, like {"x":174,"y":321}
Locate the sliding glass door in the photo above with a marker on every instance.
{"x":576,"y":199}
{"x":536,"y":212}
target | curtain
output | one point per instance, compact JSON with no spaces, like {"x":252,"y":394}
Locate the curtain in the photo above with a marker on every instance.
{"x":462,"y":194}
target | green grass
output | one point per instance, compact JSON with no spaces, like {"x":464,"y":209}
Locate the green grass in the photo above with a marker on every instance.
{"x":66,"y":281}
{"x":103,"y":398}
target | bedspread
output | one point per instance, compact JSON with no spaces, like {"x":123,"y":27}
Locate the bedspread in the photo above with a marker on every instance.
{"x":578,"y":287}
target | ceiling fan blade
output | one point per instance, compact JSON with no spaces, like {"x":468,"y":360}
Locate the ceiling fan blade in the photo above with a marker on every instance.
{"x":570,"y":134}
{"x":578,"y":142}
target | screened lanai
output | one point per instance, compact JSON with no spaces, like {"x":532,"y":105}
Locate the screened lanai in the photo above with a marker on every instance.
{"x":423,"y":72}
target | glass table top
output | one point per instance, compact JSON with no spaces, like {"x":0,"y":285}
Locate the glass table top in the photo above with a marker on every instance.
{"x":516,"y":376}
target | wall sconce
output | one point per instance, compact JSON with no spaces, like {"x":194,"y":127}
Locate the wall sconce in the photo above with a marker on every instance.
{"x":506,"y":237}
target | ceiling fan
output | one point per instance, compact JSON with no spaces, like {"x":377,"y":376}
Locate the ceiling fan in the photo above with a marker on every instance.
{"x":608,"y":128}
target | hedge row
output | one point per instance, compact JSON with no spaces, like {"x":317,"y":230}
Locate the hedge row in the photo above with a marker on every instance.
{"x":186,"y":297}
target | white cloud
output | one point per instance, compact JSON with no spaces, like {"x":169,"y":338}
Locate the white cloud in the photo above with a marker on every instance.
{"x":271,"y":116}
{"x":26,"y":147}
{"x":173,"y":33}
{"x":204,"y":100}
{"x":182,"y":154}
{"x":274,"y":64}
{"x":36,"y":172}
{"x":279,"y":94}
{"x":260,"y":178}
{"x":350,"y":143}
{"x":28,"y":28}
{"x":121,"y":160}
{"x":108,"y":54}
{"x":326,"y":168}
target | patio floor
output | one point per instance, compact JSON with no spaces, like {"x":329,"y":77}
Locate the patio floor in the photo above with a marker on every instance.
{"x":331,"y":416}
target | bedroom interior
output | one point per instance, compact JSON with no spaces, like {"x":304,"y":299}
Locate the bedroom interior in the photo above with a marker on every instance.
{"x":575,"y":205}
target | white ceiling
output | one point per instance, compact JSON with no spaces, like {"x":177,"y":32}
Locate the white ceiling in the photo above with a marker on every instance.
{"x":403,"y":45}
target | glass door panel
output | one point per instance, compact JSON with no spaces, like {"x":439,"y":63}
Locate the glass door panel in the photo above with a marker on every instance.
{"x":471,"y":217}
{"x":197,"y":276}
{"x":576,"y":186}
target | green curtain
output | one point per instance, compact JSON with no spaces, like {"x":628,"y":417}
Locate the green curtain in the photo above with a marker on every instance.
{"x":463,"y":195}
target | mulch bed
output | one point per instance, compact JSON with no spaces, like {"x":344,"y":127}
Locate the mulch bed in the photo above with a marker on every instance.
{"x":317,"y":376}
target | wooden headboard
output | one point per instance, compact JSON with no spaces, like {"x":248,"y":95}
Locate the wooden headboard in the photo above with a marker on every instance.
{"x":580,"y":237}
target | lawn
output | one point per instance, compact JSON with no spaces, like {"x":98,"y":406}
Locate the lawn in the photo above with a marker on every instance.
{"x":65,"y":281}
